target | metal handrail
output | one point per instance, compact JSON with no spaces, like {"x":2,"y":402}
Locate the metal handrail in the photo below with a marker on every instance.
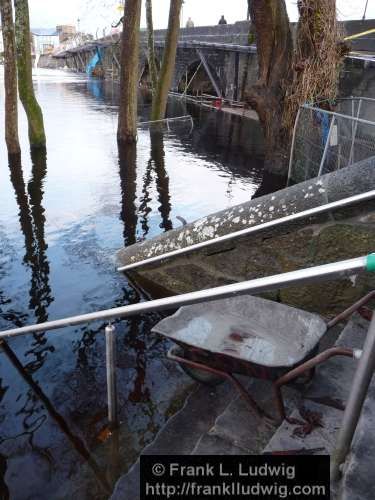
{"x":354,"y":405}
{"x":254,"y":229}
{"x":255,"y":286}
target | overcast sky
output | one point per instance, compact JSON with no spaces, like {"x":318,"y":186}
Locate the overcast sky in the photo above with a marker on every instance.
{"x":98,"y":14}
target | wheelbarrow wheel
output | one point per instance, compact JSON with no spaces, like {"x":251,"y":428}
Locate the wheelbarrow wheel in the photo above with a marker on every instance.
{"x":200,"y":376}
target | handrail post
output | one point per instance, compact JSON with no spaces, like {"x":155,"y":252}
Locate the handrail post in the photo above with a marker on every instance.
{"x":110,"y":351}
{"x":357,"y":396}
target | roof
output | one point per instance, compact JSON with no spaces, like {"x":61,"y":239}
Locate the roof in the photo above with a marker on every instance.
{"x":44,"y":32}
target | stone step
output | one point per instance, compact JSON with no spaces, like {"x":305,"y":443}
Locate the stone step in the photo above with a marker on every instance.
{"x":218,"y":421}
{"x":321,"y":439}
{"x":181,"y":433}
{"x":333,"y":383}
{"x":239,"y":427}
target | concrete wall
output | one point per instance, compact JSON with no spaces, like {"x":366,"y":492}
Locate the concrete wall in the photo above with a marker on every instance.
{"x":336,"y":236}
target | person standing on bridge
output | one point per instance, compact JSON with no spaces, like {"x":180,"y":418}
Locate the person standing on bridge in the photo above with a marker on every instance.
{"x":190,"y":23}
{"x":223,"y":20}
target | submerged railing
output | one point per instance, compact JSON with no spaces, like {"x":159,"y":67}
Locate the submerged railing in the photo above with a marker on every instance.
{"x":256,"y":286}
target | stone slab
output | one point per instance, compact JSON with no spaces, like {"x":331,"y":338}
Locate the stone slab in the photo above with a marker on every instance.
{"x":333,"y":379}
{"x":320,"y":437}
{"x":214,"y":445}
{"x":242,"y":427}
{"x":181,"y":433}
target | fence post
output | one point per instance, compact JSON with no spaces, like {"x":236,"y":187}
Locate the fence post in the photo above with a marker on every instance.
{"x":326,"y":146}
{"x":110,"y":351}
{"x":293,"y":145}
{"x":351,"y":155}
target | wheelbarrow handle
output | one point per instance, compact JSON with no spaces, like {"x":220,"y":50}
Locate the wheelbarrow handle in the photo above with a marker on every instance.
{"x":352,"y":309}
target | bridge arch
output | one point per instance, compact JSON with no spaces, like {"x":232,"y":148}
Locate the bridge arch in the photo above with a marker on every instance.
{"x":197,"y":79}
{"x":144,"y":75}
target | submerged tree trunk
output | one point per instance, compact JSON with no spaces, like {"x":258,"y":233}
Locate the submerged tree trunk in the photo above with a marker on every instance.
{"x":151,"y":48}
{"x":10,"y":79}
{"x":25,"y":80}
{"x":127,"y":122}
{"x":160,"y":98}
{"x":288,"y":77}
{"x":267,"y":96}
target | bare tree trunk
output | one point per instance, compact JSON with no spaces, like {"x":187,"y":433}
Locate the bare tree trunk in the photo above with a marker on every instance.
{"x":151,"y":48}
{"x":318,"y":56}
{"x":160,"y":98}
{"x":288,"y":77}
{"x":267,"y":97}
{"x":25,"y":80}
{"x":10,"y":79}
{"x":127,"y":122}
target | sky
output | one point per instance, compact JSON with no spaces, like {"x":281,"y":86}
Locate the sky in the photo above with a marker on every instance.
{"x":95,"y":15}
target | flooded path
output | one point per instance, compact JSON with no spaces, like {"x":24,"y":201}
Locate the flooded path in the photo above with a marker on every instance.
{"x":62,"y":218}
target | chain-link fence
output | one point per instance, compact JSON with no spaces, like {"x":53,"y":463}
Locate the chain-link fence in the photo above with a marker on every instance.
{"x":325,"y":141}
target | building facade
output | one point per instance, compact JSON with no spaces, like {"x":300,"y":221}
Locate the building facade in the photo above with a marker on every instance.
{"x":44,"y":41}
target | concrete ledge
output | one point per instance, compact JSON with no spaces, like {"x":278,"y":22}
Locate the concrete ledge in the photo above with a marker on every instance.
{"x":338,"y":235}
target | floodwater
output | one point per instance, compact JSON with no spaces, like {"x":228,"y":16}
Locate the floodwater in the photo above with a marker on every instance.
{"x":63,"y":216}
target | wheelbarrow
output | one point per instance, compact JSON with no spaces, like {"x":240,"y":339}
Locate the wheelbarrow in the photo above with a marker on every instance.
{"x":254,"y":337}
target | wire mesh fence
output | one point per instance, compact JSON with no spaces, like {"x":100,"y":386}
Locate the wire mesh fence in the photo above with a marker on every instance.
{"x":325,"y":141}
{"x":171,"y":125}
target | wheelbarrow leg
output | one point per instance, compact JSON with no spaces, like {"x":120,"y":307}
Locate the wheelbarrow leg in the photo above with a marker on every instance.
{"x":308,"y":366}
{"x":246,"y":396}
{"x":237,"y":384}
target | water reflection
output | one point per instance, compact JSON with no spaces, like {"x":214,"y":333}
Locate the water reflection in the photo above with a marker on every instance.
{"x":61,"y":263}
{"x":162,"y":179}
{"x":144,"y":208}
{"x":128,"y":180}
{"x":4,"y":491}
{"x":32,"y":223}
{"x":33,"y":422}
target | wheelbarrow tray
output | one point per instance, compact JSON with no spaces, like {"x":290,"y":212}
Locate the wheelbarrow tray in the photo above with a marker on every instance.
{"x":245,"y":334}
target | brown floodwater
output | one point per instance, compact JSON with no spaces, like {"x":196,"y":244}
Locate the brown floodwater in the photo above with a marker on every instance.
{"x":63,"y":216}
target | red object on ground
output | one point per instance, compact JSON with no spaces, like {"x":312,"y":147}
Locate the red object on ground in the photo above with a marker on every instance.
{"x":218,"y":103}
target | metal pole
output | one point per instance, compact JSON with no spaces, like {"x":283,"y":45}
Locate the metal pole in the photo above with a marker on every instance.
{"x":110,"y":351}
{"x":333,"y":113}
{"x":325,"y":152}
{"x":334,"y":270}
{"x":293,"y":145}
{"x":357,"y":396}
{"x":184,"y":117}
{"x":209,"y":73}
{"x":254,"y":229}
{"x":351,"y":155}
{"x":191,"y":79}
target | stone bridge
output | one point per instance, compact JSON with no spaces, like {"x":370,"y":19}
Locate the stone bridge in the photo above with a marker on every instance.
{"x":215,"y":60}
